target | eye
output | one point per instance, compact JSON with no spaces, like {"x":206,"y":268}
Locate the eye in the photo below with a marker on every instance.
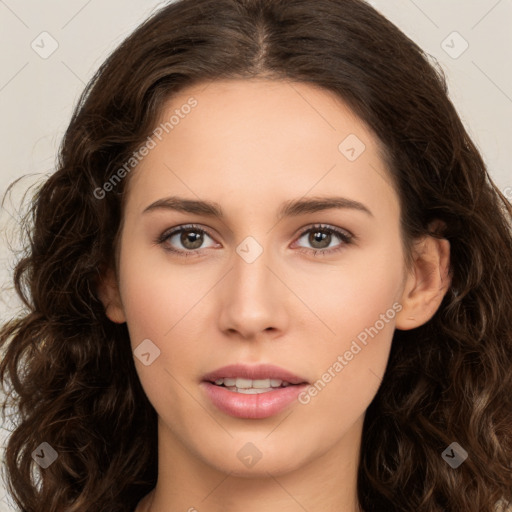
{"x":321,"y":237}
{"x":190,"y":237}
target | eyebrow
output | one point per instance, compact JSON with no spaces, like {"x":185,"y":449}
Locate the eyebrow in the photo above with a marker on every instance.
{"x":291,"y":208}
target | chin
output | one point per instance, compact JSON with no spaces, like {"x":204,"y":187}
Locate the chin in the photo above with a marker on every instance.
{"x":247,"y":459}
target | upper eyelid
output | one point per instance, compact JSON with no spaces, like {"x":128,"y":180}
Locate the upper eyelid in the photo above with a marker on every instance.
{"x":184,"y":227}
{"x":327,"y":227}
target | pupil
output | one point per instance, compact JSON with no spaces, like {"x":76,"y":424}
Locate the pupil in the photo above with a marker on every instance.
{"x":191,"y":239}
{"x":319,"y":236}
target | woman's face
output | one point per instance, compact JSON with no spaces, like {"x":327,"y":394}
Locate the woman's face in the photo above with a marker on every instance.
{"x":303,"y":271}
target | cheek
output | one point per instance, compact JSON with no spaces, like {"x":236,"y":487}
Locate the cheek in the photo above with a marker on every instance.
{"x":352,"y":295}
{"x":166,"y":306}
{"x":160,"y":308}
{"x":359,"y":305}
{"x":159,"y":297}
{"x":349,"y":368}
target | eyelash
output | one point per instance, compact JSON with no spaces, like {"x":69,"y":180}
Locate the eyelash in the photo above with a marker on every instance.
{"x":346,"y":237}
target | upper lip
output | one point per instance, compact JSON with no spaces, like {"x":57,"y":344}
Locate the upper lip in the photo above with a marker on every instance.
{"x":254,"y":372}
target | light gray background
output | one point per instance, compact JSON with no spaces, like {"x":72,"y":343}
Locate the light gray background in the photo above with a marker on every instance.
{"x":37,"y":94}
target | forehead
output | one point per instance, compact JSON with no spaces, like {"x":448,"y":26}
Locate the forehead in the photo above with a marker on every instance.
{"x":261,"y":139}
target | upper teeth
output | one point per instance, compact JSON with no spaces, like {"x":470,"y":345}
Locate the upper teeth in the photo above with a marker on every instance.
{"x":249,"y":383}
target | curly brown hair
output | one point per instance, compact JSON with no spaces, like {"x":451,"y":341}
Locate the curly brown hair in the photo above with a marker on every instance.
{"x":450,"y":379}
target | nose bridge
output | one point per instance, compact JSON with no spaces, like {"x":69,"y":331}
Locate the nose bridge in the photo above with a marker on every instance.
{"x":252,"y":301}
{"x":251,"y":274}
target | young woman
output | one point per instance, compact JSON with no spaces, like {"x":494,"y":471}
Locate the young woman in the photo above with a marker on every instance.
{"x":271,"y":272}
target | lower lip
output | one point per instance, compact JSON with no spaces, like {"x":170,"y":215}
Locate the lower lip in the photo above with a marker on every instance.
{"x":262,"y":405}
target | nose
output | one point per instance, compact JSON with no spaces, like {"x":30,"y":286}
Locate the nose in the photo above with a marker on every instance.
{"x":254,"y":300}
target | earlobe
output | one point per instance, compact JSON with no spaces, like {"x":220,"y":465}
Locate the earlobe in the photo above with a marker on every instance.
{"x":426,"y":284}
{"x":108,"y":293}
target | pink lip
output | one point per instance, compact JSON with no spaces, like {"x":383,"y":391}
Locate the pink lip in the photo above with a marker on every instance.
{"x":262,"y":405}
{"x":257,"y":406}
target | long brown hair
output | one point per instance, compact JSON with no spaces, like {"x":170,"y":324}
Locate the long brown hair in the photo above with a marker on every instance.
{"x":71,"y":371}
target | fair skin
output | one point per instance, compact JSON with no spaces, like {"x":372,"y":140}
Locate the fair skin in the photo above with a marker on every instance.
{"x":251,"y":146}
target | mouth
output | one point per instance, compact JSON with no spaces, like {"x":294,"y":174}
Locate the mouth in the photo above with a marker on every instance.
{"x":240,"y":377}
{"x":252,"y":392}
{"x":250,"y":386}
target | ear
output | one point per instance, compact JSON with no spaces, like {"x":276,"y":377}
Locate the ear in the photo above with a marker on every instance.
{"x":108,"y":293}
{"x":427,"y":282}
